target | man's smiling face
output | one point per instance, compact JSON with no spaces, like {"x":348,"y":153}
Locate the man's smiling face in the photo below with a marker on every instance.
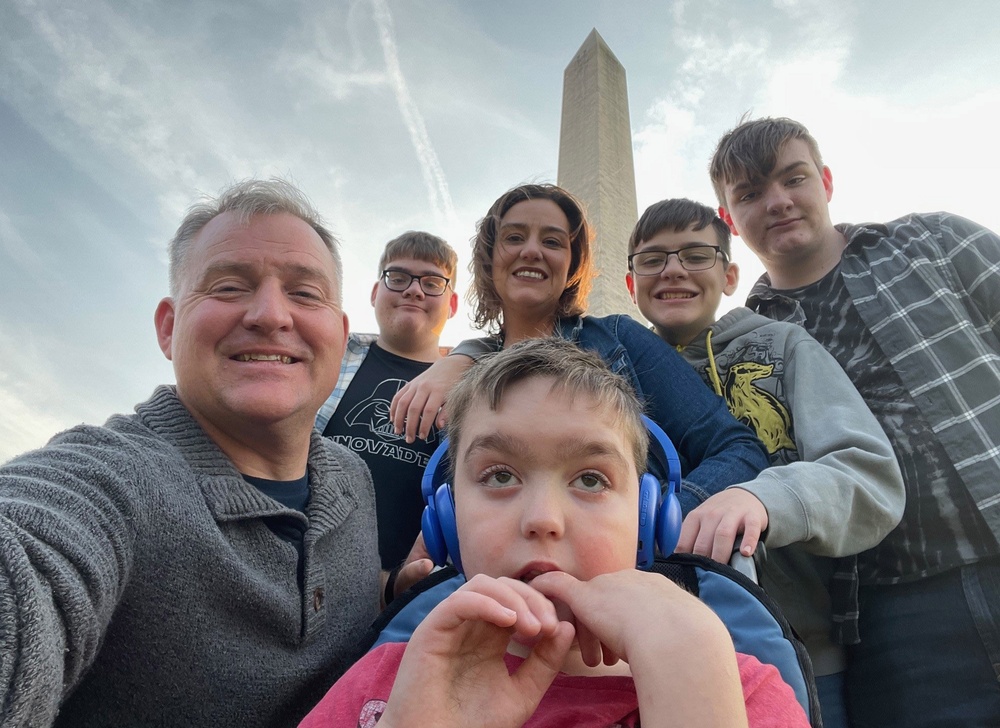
{"x":255,"y":332}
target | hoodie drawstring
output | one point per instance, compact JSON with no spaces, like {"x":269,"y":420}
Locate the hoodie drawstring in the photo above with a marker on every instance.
{"x":713,"y":373}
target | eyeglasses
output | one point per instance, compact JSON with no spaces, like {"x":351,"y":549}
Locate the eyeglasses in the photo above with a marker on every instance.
{"x":400,"y":280}
{"x":695,"y":257}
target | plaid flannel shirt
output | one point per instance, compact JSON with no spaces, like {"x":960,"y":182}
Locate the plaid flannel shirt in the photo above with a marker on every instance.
{"x":928,"y":289}
{"x":355,"y":353}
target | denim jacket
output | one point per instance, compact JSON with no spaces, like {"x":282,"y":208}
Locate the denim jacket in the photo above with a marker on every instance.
{"x":715,"y":449}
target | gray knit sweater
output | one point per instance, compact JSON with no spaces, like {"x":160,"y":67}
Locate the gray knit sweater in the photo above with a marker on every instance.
{"x":140,"y":584}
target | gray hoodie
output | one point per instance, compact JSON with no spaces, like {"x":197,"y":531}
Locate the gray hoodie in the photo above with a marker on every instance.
{"x":839,"y":490}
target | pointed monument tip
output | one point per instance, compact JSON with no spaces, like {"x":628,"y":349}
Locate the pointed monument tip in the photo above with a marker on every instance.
{"x":596,"y":42}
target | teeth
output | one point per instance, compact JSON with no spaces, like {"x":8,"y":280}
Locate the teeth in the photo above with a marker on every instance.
{"x":264,"y":357}
{"x":676,"y":295}
{"x":529,"y":274}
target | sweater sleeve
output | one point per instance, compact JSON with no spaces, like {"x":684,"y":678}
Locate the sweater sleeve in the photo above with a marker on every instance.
{"x":846,"y":491}
{"x":475,"y":349}
{"x":67,"y":522}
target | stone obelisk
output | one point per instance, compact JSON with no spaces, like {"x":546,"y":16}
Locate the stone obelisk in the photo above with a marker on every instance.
{"x":595,"y":164}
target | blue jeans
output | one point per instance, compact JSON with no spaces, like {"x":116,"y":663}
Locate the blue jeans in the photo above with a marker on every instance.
{"x":929,"y":652}
{"x":832,"y":701}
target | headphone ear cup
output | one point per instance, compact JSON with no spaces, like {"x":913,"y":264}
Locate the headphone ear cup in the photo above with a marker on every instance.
{"x":430,"y":527}
{"x":668,"y":523}
{"x":444,"y":503}
{"x":430,"y":521}
{"x":649,"y":502}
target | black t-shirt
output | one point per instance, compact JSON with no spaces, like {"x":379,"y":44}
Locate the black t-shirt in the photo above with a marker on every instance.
{"x":362,"y":424}
{"x":292,"y":494}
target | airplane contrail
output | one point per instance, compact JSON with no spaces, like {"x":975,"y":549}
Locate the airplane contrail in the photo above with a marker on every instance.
{"x":437,"y":185}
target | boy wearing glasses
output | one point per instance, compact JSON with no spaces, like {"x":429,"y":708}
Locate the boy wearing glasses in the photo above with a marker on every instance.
{"x":413,"y":299}
{"x":840,"y":491}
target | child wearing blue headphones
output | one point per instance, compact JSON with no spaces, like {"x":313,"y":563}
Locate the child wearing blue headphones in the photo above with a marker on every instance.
{"x":555,"y":625}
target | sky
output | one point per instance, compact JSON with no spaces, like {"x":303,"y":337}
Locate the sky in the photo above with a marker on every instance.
{"x":393,"y":115}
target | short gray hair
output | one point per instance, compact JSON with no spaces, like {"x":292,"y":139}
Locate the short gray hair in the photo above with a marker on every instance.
{"x":248,"y":198}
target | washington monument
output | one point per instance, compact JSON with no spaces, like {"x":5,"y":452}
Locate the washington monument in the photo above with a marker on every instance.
{"x":595,"y":164}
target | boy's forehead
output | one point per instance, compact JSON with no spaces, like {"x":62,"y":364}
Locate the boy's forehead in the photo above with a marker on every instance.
{"x":419,"y":264}
{"x":670,"y":238}
{"x":604,"y":423}
{"x":753,"y":172}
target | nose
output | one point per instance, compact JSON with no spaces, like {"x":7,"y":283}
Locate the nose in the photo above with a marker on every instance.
{"x":778,"y":199}
{"x":544,"y":515}
{"x":673,"y":268}
{"x":414,"y":290}
{"x":269,"y":308}
{"x":532,"y":248}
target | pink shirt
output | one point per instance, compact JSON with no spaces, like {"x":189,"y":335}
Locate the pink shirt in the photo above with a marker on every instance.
{"x":359,"y":697}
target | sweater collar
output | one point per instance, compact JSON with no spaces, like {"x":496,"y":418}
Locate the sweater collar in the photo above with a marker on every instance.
{"x":227,"y":495}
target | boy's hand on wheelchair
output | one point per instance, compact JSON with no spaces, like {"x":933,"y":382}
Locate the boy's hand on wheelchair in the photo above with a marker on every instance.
{"x":713,"y":528}
{"x":453,"y":671}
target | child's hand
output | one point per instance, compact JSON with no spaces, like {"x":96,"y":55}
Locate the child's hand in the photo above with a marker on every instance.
{"x":453,"y":671}
{"x":621,"y":614}
{"x":680,"y":654}
{"x":711,"y":529}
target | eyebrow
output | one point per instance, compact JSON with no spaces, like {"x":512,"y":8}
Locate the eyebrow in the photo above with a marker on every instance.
{"x":506,"y":445}
{"x":419,"y":271}
{"x":545,"y":229}
{"x":250,"y":271}
{"x":779,"y":173}
{"x":683,"y":246}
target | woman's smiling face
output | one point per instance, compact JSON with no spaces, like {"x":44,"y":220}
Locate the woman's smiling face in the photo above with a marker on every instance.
{"x":531,"y":259}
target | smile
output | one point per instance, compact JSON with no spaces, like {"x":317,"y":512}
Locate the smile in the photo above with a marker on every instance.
{"x":533,"y":274}
{"x":673,"y":295}
{"x":264,"y":357}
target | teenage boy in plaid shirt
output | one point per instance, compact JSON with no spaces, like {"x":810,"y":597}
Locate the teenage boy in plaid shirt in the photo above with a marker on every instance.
{"x":911,"y":310}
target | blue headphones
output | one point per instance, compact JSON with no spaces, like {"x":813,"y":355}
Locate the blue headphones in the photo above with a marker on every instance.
{"x":659,"y":509}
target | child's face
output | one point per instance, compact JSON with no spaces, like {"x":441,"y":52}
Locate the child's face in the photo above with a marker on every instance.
{"x":546,"y":482}
{"x":680,"y":303}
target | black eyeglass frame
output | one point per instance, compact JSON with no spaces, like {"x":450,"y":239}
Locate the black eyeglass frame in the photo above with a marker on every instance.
{"x":667,"y":253}
{"x":418,"y":279}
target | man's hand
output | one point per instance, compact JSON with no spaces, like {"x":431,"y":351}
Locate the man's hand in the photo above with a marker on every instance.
{"x":419,"y":405}
{"x":712,"y":528}
{"x":453,"y":671}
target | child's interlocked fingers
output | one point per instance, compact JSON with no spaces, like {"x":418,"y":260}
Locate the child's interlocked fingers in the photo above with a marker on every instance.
{"x":454,"y":670}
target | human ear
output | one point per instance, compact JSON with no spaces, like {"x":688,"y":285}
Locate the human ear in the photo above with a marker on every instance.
{"x":727,"y":218}
{"x":164,"y":321}
{"x":732,"y":279}
{"x":828,"y":183}
{"x":452,"y":304}
{"x":630,"y":285}
{"x":375,"y":292}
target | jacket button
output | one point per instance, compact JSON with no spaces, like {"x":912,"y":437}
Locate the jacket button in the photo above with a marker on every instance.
{"x":317,"y":600}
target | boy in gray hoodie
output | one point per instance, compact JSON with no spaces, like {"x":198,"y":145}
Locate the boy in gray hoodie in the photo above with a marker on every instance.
{"x":840,"y":490}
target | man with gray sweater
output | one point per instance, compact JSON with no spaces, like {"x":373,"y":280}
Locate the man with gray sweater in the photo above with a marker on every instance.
{"x":209,"y":559}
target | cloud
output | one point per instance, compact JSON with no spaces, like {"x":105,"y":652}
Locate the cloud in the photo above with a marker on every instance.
{"x":14,"y":247}
{"x":437,"y":186}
